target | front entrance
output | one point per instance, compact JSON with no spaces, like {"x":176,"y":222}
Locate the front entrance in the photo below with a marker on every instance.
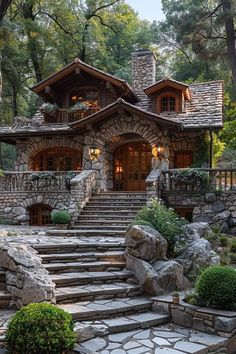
{"x":132,"y":165}
{"x":40,"y":215}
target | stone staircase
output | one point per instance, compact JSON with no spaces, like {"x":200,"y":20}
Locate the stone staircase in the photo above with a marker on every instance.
{"x":90,"y":276}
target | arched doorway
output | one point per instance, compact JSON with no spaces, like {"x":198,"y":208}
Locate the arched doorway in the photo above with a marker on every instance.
{"x":58,"y":159}
{"x":132,"y":165}
{"x":40,"y":215}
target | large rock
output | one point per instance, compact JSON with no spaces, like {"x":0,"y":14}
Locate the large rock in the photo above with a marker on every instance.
{"x":146,"y":243}
{"x":196,"y":230}
{"x":170,"y":276}
{"x":197,"y":255}
{"x":159,"y":278}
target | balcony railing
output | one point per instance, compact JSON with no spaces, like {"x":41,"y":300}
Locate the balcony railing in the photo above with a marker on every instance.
{"x":202,"y":180}
{"x":36,"y":181}
{"x":64,"y":116}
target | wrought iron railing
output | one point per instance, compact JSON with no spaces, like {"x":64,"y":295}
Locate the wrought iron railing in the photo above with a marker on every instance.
{"x":202,"y":180}
{"x":30,"y":181}
{"x":63,"y":116}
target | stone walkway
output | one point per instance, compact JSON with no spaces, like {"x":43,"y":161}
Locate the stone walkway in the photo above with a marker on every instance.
{"x":168,"y":339}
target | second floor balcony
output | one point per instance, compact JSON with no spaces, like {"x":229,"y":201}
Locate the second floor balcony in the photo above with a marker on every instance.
{"x":64,"y":116}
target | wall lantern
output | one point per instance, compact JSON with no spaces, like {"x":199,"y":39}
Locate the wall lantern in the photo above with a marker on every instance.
{"x":94,"y":152}
{"x":157,"y":151}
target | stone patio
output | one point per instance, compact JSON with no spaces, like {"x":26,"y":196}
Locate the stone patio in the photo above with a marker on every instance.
{"x":168,"y":339}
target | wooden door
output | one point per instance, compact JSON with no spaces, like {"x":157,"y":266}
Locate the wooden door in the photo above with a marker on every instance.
{"x":132,"y":164}
{"x":40,"y":215}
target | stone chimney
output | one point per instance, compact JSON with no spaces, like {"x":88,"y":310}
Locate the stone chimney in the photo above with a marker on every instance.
{"x":144,"y":70}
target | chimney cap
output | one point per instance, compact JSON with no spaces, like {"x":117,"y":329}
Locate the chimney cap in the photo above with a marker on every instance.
{"x":143,"y":52}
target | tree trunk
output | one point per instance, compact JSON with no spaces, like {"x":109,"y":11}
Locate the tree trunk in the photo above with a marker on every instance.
{"x":14,"y":102}
{"x":32,"y":45}
{"x":230,"y":37}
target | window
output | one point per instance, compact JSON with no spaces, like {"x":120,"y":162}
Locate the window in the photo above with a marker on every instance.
{"x":168,"y":104}
{"x":183,"y":159}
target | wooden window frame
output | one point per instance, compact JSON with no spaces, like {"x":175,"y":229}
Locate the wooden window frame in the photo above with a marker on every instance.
{"x":183,"y":152}
{"x":168,"y":96}
{"x":82,"y":89}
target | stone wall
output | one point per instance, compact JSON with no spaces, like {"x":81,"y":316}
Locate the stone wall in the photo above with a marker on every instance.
{"x":212,"y":321}
{"x":217,"y":209}
{"x":14,"y":206}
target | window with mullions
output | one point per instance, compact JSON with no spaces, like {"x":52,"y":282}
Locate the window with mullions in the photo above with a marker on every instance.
{"x":168,"y":104}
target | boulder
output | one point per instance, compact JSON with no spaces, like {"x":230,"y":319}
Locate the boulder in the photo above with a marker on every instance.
{"x":196,"y":230}
{"x":170,"y":276}
{"x":196,"y":255}
{"x":83,"y":332}
{"x":210,"y":197}
{"x":146,"y":243}
{"x":159,"y":278}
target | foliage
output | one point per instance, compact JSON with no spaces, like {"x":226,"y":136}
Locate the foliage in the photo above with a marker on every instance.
{"x":228,"y":134}
{"x":60,"y":217}
{"x":42,"y":175}
{"x":40,"y":329}
{"x":142,"y":222}
{"x":48,"y":107}
{"x":79,"y":106}
{"x":217,"y":286}
{"x":224,"y":240}
{"x":233,"y":246}
{"x":191,"y":175}
{"x":164,"y":220}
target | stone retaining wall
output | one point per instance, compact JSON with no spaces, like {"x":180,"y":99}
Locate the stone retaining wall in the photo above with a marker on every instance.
{"x":217,"y":209}
{"x":218,"y":322}
{"x":14,"y":206}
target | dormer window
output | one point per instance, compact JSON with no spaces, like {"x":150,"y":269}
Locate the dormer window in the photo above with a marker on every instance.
{"x":168,"y":104}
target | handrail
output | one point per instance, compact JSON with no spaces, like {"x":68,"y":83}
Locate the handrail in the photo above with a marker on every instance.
{"x":32,"y":181}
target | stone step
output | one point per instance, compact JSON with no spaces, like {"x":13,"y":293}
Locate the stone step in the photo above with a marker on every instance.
{"x":98,"y":228}
{"x":100,"y":218}
{"x":95,"y":292}
{"x":119,"y":214}
{"x":85,"y":256}
{"x":119,"y":203}
{"x":111,"y":208}
{"x":102,"y":222}
{"x":5,"y":298}
{"x":118,"y":199}
{"x":137,"y":320}
{"x":109,"y":308}
{"x":80,"y":278}
{"x":84,"y":266}
{"x":76,"y":232}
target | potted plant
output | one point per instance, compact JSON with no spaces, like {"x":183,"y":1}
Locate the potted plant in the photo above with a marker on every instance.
{"x":175,"y":297}
{"x":78,"y":106}
{"x":60,"y":218}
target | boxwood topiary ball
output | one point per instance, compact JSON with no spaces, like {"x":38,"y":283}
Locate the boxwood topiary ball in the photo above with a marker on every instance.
{"x":217,"y":286}
{"x":40,"y":329}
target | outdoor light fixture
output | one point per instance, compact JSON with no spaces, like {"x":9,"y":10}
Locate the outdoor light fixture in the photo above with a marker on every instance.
{"x":157,"y":151}
{"x":94,"y":152}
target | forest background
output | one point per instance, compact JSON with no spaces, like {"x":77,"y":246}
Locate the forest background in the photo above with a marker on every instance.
{"x":194,"y":43}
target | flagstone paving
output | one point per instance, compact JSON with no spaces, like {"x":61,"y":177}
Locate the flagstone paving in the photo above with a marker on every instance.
{"x":167,"y":339}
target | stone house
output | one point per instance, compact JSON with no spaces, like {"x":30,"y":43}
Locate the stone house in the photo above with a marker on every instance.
{"x":116,"y":134}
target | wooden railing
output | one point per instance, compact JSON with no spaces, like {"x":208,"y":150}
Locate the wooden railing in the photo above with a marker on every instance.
{"x":204,"y":180}
{"x":36,"y":181}
{"x":63,"y":116}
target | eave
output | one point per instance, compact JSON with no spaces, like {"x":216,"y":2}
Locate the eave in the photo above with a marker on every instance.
{"x":171,"y":83}
{"x":119,"y":106}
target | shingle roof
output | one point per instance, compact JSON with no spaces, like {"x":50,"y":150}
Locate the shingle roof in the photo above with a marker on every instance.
{"x":205,"y":109}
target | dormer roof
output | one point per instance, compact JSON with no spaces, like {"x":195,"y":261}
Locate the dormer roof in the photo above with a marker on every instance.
{"x":78,"y":65}
{"x":167,"y":82}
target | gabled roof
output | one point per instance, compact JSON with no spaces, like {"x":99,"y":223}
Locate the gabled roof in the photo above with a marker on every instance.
{"x":171,"y":83}
{"x":119,"y":105}
{"x":78,"y":64}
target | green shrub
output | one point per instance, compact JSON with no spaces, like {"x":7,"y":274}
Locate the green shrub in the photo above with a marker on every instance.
{"x":164,"y":220}
{"x":142,"y":222}
{"x":233,"y":246}
{"x":216,"y":286}
{"x":191,"y":175}
{"x":60,"y":217}
{"x":40,"y":329}
{"x":224,"y":241}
